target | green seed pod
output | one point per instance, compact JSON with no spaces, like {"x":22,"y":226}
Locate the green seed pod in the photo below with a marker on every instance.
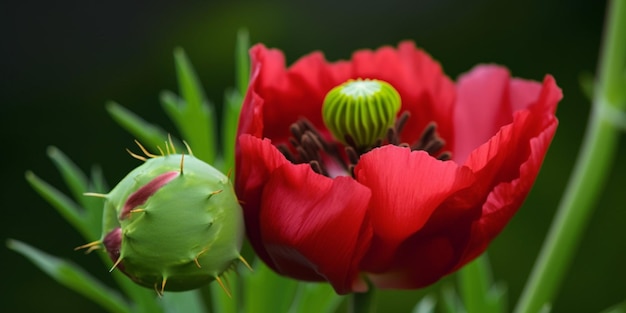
{"x":362,"y":110}
{"x":173,"y":223}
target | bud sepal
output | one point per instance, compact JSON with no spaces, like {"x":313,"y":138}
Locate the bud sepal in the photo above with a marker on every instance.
{"x":173,"y":223}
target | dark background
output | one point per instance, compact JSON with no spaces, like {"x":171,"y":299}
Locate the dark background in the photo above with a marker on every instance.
{"x":60,"y":62}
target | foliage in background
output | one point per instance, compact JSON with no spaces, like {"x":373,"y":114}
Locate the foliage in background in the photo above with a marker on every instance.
{"x":253,"y":291}
{"x":84,"y":216}
{"x":197,"y":123}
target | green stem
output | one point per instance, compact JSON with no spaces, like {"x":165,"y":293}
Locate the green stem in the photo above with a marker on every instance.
{"x":363,"y":302}
{"x":591,"y":170}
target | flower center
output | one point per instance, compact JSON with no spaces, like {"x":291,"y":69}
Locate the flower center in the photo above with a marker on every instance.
{"x":361,"y":116}
{"x":360,"y":111}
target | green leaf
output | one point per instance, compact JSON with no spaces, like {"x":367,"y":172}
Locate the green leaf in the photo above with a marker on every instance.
{"x":98,"y":183}
{"x":222,"y":301}
{"x":618,"y":308}
{"x":72,"y":175}
{"x":147,"y":134}
{"x":193,"y":115}
{"x":427,"y":304}
{"x":73,"y":277}
{"x":143,"y":299}
{"x":586,"y":81}
{"x":315,"y":297}
{"x":242,"y":61}
{"x":64,"y":205}
{"x":233,"y":100}
{"x":183,"y":302}
{"x":450,"y":300}
{"x":76,"y":180}
{"x":477,"y":290}
{"x":232,"y":108}
{"x":260,"y":291}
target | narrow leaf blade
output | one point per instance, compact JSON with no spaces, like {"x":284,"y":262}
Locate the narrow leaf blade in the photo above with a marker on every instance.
{"x":618,"y":308}
{"x":193,"y":115}
{"x":148,"y":134}
{"x":450,"y":301}
{"x":260,"y":291}
{"x":65,"y":206}
{"x":427,"y":304}
{"x":73,"y":277}
{"x":232,"y":108}
{"x":478,"y":291}
{"x":220,"y":299}
{"x":242,"y":61}
{"x":316,"y":297}
{"x":72,"y":175}
{"x":78,"y":183}
{"x":183,"y":302}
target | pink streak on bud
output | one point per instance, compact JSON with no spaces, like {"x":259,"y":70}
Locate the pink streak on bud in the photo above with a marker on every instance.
{"x":140,"y":196}
{"x":113,"y":243}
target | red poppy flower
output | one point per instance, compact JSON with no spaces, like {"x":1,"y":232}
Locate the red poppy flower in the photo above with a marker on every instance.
{"x":401,"y":212}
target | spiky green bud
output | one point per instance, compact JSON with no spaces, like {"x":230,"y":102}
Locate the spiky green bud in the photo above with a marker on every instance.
{"x":362,"y":109}
{"x":173,"y":223}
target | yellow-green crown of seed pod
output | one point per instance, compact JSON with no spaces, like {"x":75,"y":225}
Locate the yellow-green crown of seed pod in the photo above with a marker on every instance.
{"x":362,"y":110}
{"x":173,"y":223}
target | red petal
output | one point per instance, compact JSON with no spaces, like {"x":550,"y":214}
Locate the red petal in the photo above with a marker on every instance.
{"x":419,"y":263}
{"x":314,"y":227}
{"x":407,"y":187}
{"x":458,"y":231}
{"x":499,"y":158}
{"x":505,"y":168}
{"x":507,"y":197}
{"x":486,"y":100}
{"x":281,"y":96}
{"x":286,"y":95}
{"x":427,"y":93}
{"x":256,"y":160}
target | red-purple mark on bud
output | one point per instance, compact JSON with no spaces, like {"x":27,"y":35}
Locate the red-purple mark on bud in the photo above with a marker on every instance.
{"x":180,"y":236}
{"x":113,"y":243}
{"x":142,"y":194}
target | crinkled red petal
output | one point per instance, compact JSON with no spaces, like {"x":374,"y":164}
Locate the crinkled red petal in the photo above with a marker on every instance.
{"x":314,"y":227}
{"x":461,"y":227}
{"x":427,"y":93}
{"x":279,"y":96}
{"x":257,"y":160}
{"x":487,"y":98}
{"x":407,"y":187}
{"x":511,"y":174}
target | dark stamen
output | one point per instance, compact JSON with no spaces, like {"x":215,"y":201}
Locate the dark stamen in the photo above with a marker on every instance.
{"x":304,"y":156}
{"x":445,"y":156}
{"x":353,"y":157}
{"x":350,"y":141}
{"x":426,"y":138}
{"x":294,"y":142}
{"x":433,"y":146}
{"x":392,"y":136}
{"x":310,"y":147}
{"x":296,"y":131}
{"x":317,"y":168}
{"x":401,"y":121}
{"x":309,"y":144}
{"x":286,"y":152}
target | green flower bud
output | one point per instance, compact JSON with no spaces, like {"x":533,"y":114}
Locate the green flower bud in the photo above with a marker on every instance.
{"x":362,"y":110}
{"x":173,"y":223}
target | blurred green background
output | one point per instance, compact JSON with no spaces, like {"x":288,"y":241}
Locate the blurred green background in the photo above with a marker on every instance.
{"x":62,"y":60}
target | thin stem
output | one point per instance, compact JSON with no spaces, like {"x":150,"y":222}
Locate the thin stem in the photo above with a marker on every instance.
{"x":363,"y":302}
{"x":591,"y":170}
{"x":474,"y":284}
